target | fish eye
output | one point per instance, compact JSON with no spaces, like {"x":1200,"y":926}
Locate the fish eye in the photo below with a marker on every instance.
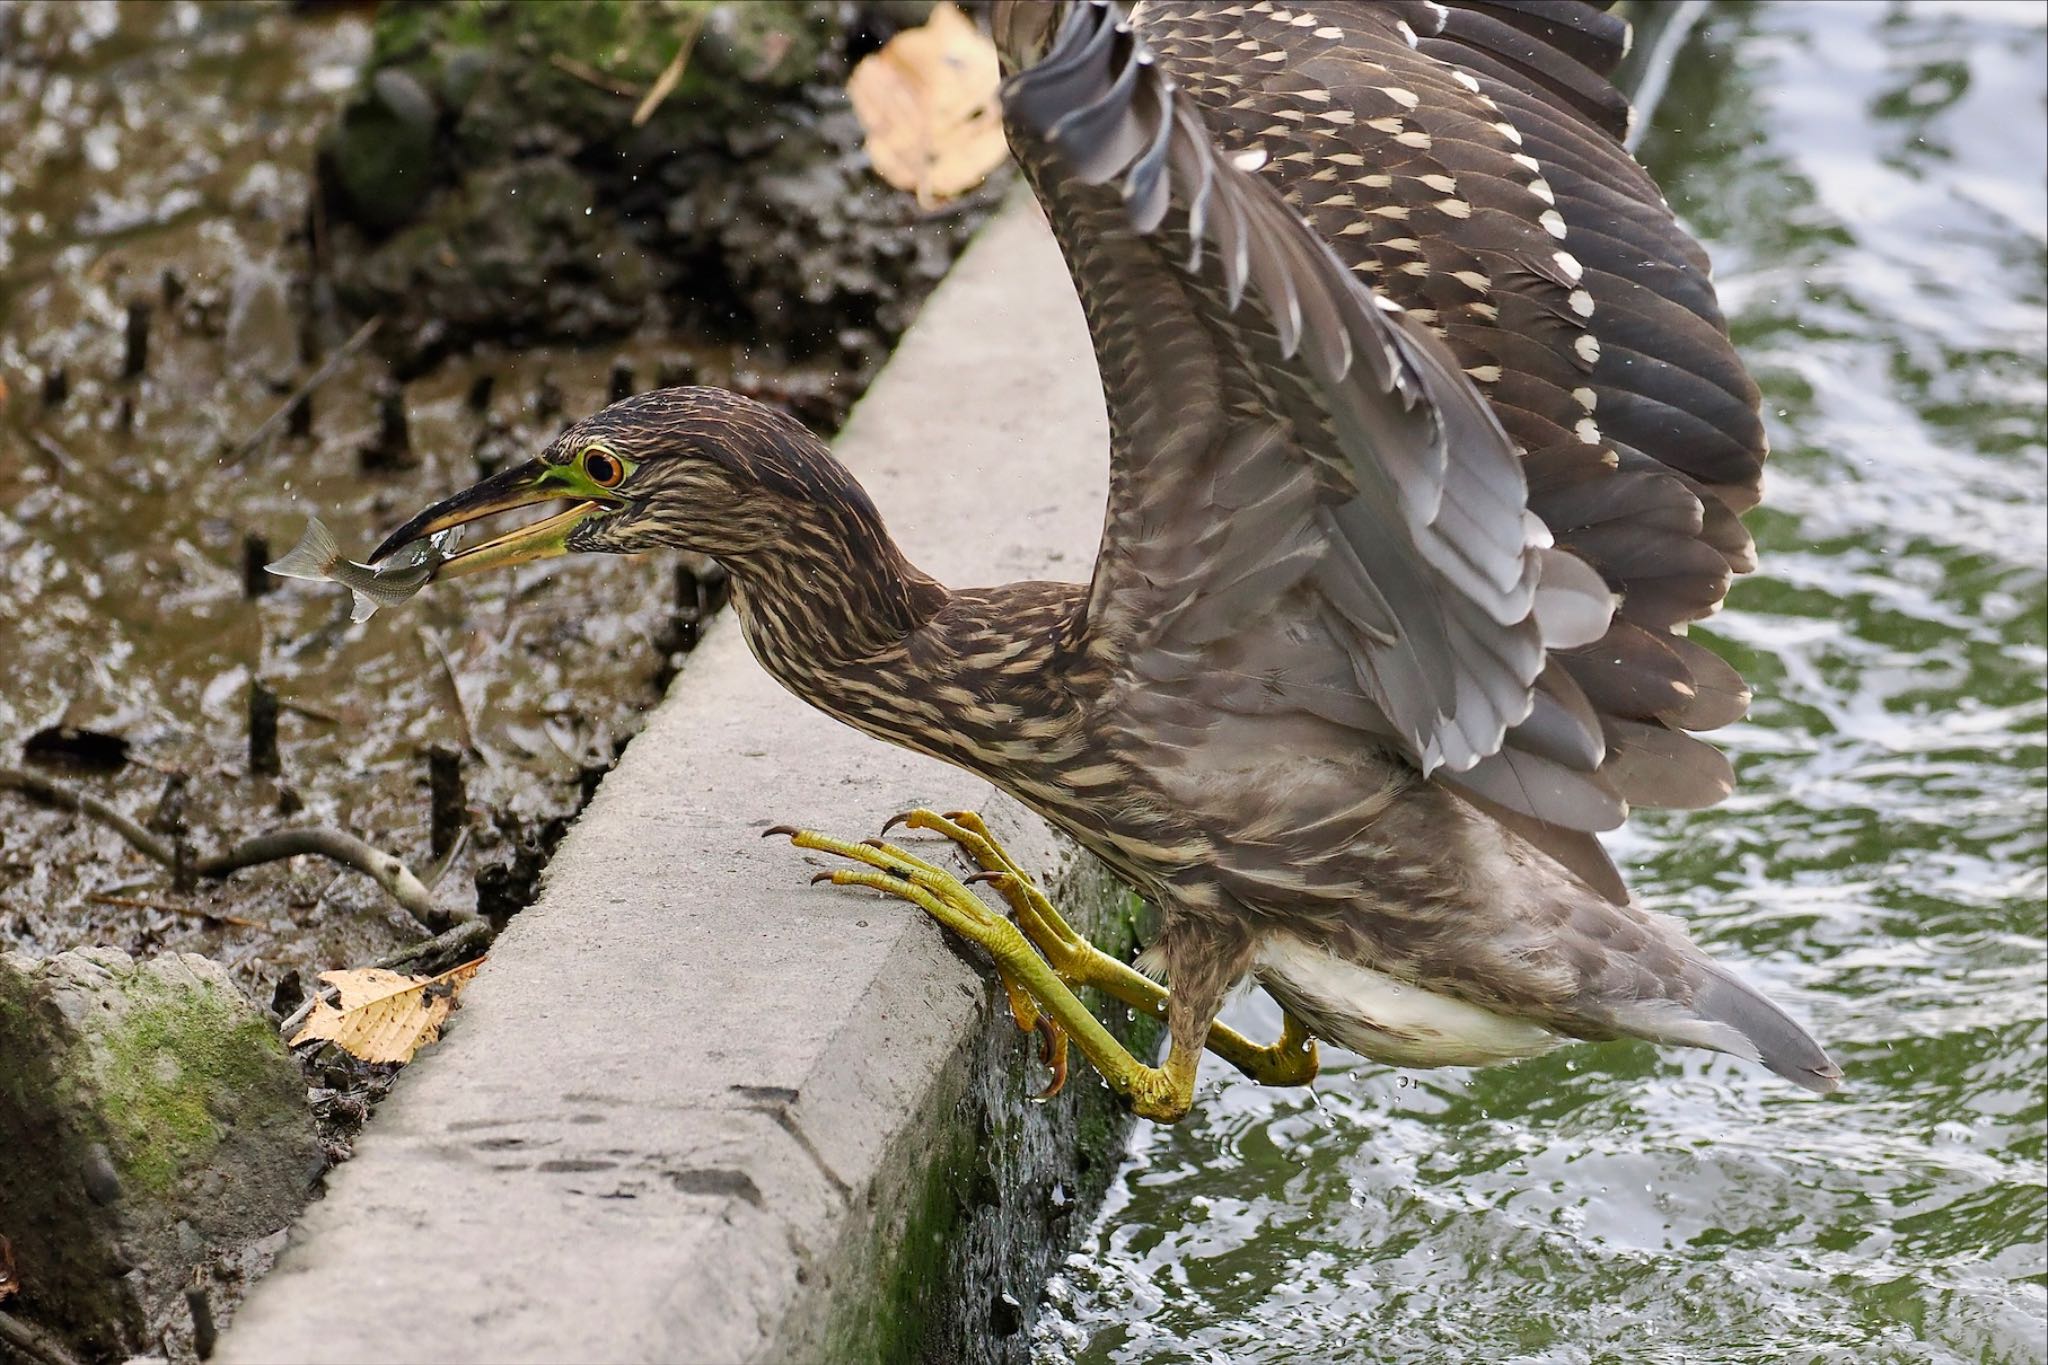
{"x":603,"y":468}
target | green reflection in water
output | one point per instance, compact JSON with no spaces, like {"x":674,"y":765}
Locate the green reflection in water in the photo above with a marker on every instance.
{"x":1868,"y":179}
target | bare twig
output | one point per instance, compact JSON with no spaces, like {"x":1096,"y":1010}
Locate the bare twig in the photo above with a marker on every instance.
{"x":388,"y":872}
{"x":447,"y":860}
{"x":464,"y":942}
{"x":32,"y":1343}
{"x":671,"y":75}
{"x":51,"y":451}
{"x":591,"y":76}
{"x":320,"y":376}
{"x":310,"y":711}
{"x":139,"y":903}
{"x":298,"y":1016}
{"x":85,"y":803}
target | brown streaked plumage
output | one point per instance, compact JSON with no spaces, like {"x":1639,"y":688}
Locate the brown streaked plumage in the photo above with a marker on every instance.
{"x":1427,"y":441}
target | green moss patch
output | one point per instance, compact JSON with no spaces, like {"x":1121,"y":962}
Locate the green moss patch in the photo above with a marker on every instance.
{"x":168,"y":1071}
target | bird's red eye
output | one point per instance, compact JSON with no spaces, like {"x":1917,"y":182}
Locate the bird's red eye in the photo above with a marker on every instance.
{"x":603,"y":470}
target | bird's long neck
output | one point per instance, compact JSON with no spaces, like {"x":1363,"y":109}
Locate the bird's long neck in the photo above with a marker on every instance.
{"x":832,"y":591}
{"x":846,"y":622}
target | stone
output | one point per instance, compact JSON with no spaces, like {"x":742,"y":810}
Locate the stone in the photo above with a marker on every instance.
{"x":154,"y":1125}
{"x":380,"y":158}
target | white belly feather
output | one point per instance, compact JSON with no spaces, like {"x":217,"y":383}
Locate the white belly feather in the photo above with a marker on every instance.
{"x":1387,"y":1020}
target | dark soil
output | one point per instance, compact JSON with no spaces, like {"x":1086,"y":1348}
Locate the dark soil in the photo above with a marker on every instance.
{"x":201,"y":205}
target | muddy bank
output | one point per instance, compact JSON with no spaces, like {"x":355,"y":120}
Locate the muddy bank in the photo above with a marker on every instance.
{"x":521,"y":173}
{"x":190,"y":228}
{"x":156,"y":207}
{"x":185,"y":237}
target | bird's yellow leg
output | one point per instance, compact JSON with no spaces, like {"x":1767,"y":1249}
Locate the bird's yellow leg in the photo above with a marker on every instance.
{"x":1162,"y":1092}
{"x":1292,"y":1060}
{"x":1052,"y":1039}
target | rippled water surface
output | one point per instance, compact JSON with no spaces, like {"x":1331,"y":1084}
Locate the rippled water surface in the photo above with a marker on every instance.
{"x":1869,"y":179}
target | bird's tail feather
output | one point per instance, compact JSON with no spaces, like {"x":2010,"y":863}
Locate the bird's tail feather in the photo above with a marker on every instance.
{"x":1779,"y":1043}
{"x":1710,"y":1006}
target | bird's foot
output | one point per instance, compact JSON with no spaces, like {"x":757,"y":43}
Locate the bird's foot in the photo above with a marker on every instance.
{"x":964,"y":913}
{"x":1039,"y":998}
{"x":1067,"y":950}
{"x":1292,"y":1060}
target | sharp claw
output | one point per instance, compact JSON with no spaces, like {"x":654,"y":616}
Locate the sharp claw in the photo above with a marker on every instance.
{"x":983,"y":877}
{"x":787,"y":831}
{"x":1052,"y":1050}
{"x":820,"y":877}
{"x":875,"y":843}
{"x":896,"y":820}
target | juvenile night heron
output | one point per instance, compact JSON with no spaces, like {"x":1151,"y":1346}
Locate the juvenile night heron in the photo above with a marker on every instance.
{"x":1428,"y":441}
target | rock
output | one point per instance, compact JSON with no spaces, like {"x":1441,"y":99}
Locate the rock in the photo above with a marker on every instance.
{"x":516,"y":253}
{"x":154,"y":1128}
{"x":380,"y":157}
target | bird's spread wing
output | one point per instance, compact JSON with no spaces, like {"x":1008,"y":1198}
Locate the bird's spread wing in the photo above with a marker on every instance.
{"x":1408,"y":366}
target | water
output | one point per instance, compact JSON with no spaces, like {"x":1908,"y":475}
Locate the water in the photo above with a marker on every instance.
{"x":1869,"y":181}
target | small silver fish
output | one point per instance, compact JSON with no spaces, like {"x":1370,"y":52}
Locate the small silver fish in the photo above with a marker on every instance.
{"x":404,"y":572}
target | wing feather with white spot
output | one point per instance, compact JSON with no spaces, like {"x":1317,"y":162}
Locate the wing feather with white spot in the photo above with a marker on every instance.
{"x":1564,"y":285}
{"x":1329,"y":483}
{"x":1464,"y":161}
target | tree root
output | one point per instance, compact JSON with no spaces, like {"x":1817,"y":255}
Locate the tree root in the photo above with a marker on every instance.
{"x":31,"y":1343}
{"x":388,"y":872}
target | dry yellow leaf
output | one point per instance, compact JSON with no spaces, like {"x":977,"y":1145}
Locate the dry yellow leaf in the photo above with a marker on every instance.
{"x":385,"y":1016}
{"x":928,"y":103}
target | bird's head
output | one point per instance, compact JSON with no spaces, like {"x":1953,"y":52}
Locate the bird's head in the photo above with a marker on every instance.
{"x":694,"y":469}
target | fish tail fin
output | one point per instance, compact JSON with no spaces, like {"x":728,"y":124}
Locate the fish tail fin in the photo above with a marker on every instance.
{"x":314,"y":557}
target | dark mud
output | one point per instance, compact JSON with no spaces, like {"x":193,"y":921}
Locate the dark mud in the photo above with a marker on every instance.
{"x":172,"y":266}
{"x":191,"y":229}
{"x":497,"y":177}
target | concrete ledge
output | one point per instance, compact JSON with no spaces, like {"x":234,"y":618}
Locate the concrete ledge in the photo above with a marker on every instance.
{"x":695,"y":1110}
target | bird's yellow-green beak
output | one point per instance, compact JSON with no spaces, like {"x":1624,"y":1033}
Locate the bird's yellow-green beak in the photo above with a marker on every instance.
{"x":530,"y":483}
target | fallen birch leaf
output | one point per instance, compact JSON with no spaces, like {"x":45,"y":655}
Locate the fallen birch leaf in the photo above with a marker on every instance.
{"x":385,"y":1016}
{"x":927,"y":102}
